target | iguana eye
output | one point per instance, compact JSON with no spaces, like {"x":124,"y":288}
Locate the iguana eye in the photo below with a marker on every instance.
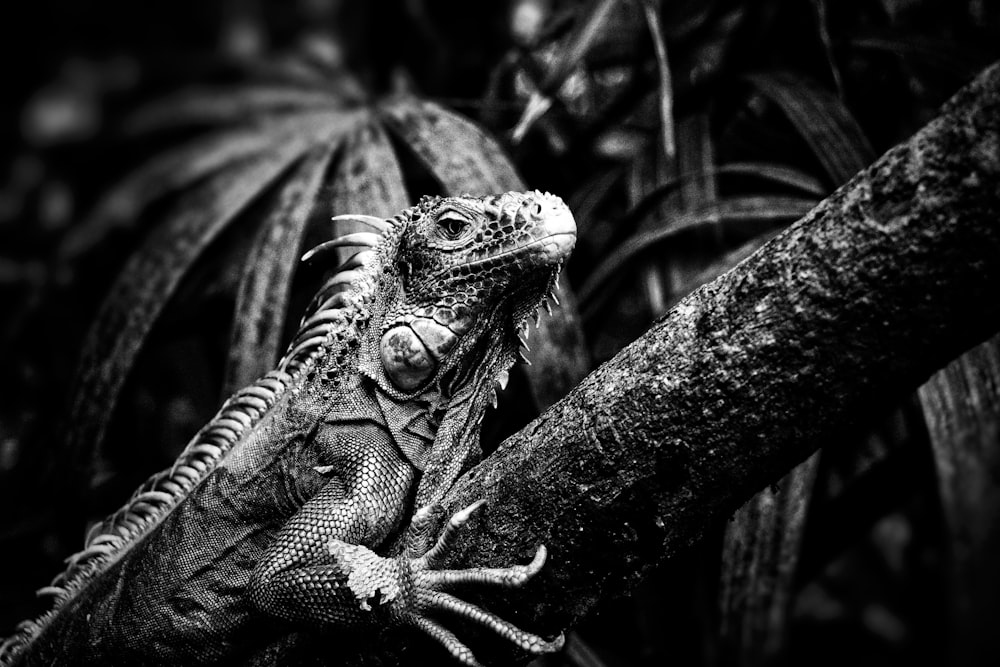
{"x":452,"y":226}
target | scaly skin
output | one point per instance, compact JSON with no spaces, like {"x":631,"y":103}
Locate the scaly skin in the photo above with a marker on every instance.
{"x":292,"y":503}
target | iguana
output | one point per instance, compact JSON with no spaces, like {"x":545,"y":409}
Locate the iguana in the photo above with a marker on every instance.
{"x":294,"y":507}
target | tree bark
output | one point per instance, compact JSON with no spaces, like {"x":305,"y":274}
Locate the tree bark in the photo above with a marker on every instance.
{"x":798,"y":346}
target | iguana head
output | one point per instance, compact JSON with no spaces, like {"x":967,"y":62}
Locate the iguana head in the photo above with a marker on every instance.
{"x":444,"y":288}
{"x":468,"y":271}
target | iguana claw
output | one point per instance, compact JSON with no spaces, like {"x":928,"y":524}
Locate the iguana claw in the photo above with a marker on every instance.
{"x":428,"y":594}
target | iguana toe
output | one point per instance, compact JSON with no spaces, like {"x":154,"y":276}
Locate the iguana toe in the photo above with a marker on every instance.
{"x":429,"y":594}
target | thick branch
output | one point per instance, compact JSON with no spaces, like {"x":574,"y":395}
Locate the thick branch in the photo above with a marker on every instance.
{"x":883,"y":283}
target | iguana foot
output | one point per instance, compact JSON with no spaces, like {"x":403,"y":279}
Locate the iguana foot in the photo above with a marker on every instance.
{"x":419,"y":591}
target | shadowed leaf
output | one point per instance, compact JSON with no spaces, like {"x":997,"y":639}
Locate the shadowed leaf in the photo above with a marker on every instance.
{"x":198,"y":106}
{"x":768,"y":171}
{"x":183,"y":166}
{"x":760,"y":212}
{"x":823,"y":32}
{"x":651,"y":9}
{"x":822,"y":120}
{"x":759,"y":562}
{"x":262,"y":295}
{"x":147,"y":282}
{"x":941,"y":54}
{"x":367,"y":178}
{"x":696,"y":159}
{"x":572,"y":51}
{"x":587,"y":199}
{"x":777,"y":174}
{"x":961,"y":404}
{"x":586,"y":30}
{"x":456,"y":152}
{"x":699,"y":190}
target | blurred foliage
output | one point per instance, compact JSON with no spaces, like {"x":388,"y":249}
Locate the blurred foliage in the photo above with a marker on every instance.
{"x":164,"y":164}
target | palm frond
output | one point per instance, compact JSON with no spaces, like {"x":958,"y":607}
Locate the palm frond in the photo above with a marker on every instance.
{"x":183,"y":166}
{"x":367,"y":179}
{"x":149,"y":279}
{"x":234,"y":104}
{"x":458,"y":154}
{"x":777,"y":174}
{"x":262,"y":295}
{"x":760,"y":558}
{"x":961,"y":405}
{"x":827,"y":126}
{"x":755,"y":213}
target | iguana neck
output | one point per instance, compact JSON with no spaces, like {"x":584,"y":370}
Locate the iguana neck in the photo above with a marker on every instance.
{"x":456,"y":445}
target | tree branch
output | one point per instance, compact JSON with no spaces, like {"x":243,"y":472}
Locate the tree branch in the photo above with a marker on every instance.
{"x":859,"y":302}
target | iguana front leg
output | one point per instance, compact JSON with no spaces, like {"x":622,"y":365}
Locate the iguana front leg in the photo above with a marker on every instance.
{"x":363,"y":502}
{"x":319,"y":569}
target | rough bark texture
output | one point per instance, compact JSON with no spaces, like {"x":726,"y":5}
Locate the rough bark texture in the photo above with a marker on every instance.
{"x":883,"y":283}
{"x":962,"y":407}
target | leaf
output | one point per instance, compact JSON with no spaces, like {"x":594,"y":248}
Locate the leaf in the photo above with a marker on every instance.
{"x":734,"y":210}
{"x":181,"y":167}
{"x":651,"y":10}
{"x":462,"y":158}
{"x":777,"y":173}
{"x":823,"y":121}
{"x":760,"y":556}
{"x":587,"y":199}
{"x":312,"y":64}
{"x":147,"y":282}
{"x":586,"y":29}
{"x":367,"y":180}
{"x":265,"y":281}
{"x":649,"y":168}
{"x":943,"y":55}
{"x":196,"y":106}
{"x":823,"y":32}
{"x":696,"y":160}
{"x":769,"y":171}
{"x":961,"y":405}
